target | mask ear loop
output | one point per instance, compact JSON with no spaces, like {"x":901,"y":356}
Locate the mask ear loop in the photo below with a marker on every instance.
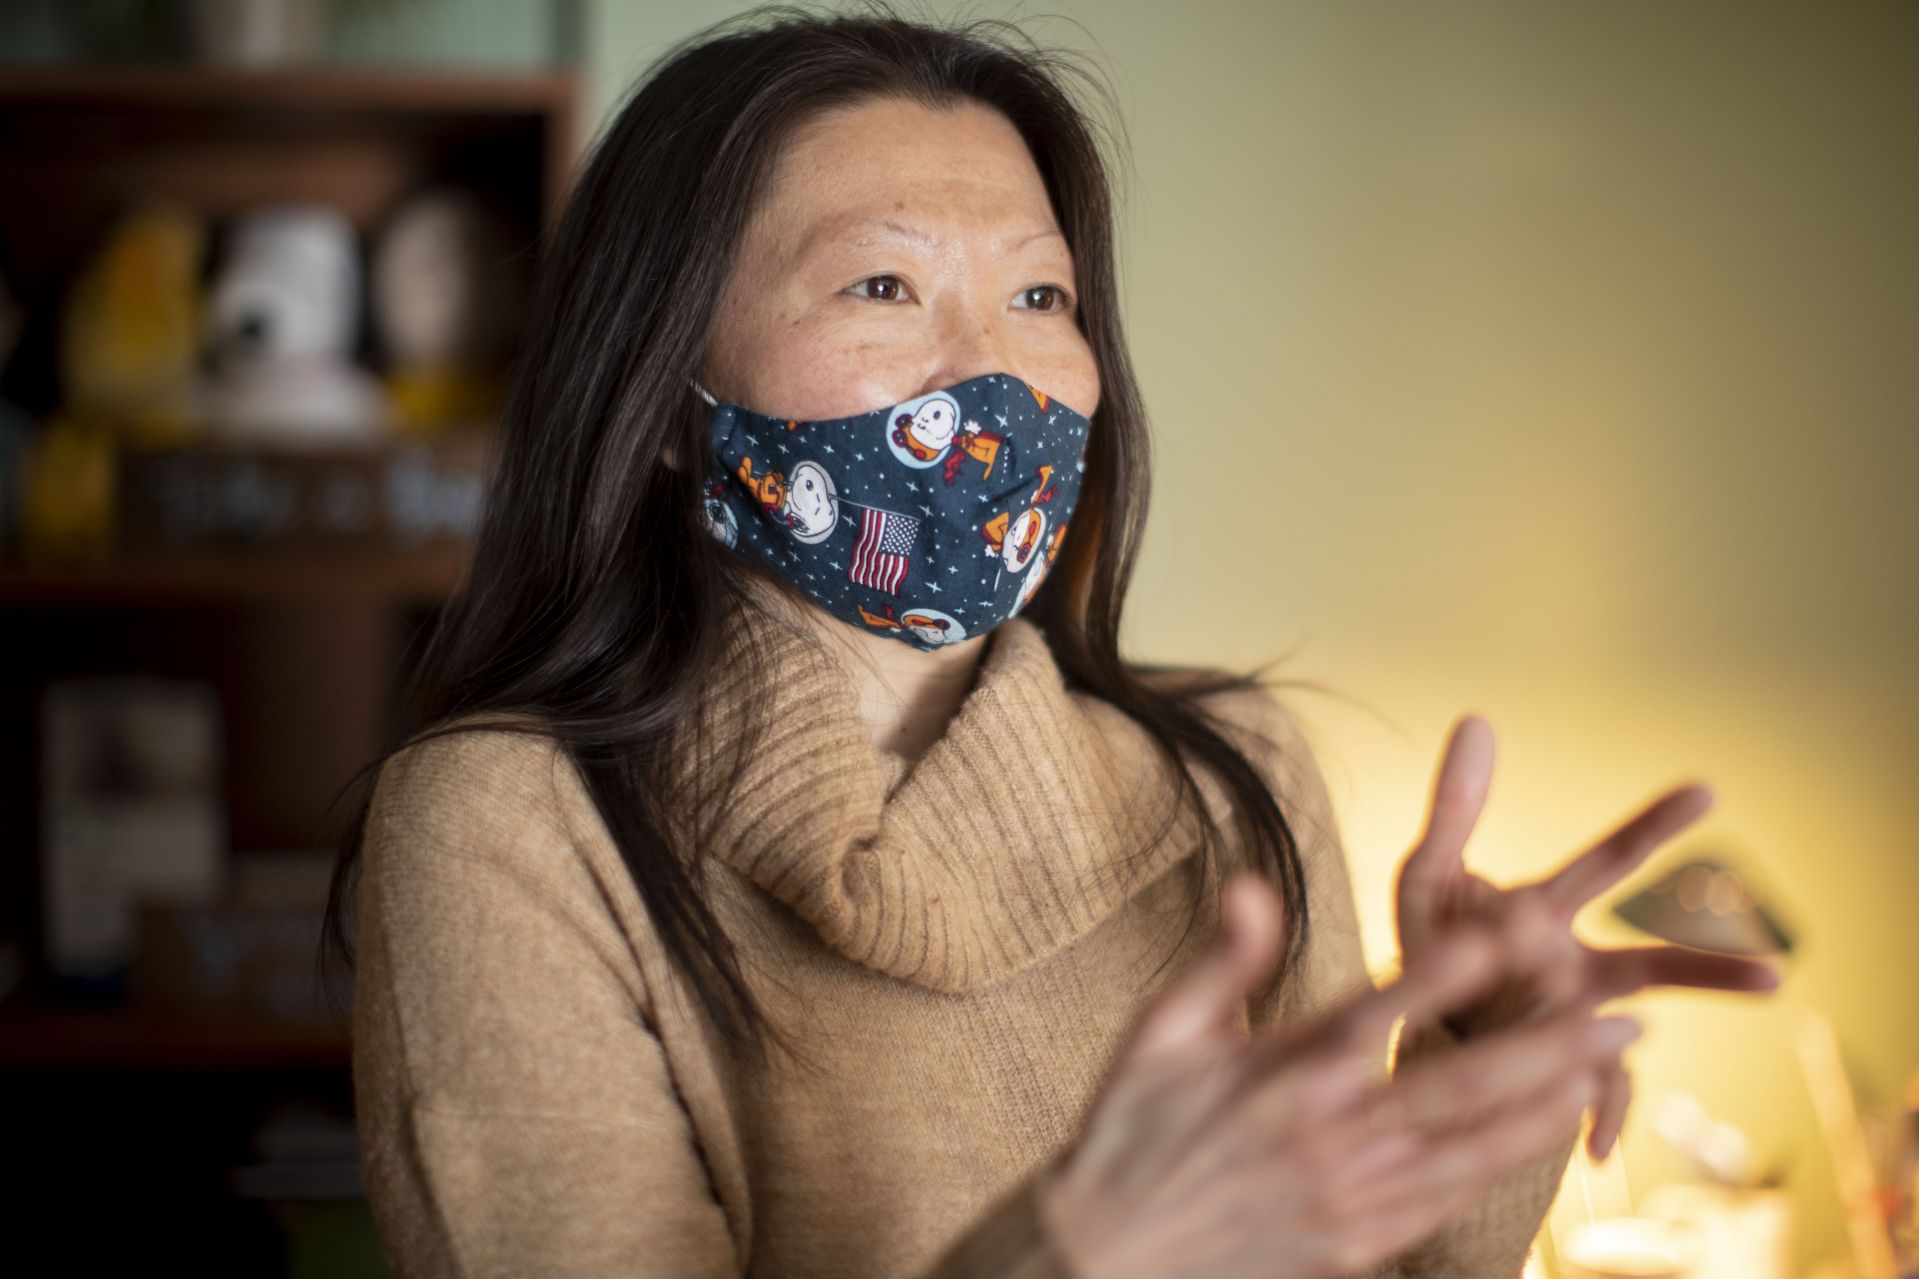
{"x":705,"y":394}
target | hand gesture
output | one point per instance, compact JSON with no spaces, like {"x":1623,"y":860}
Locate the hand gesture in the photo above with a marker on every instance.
{"x":1290,"y":1155}
{"x":1435,"y":891}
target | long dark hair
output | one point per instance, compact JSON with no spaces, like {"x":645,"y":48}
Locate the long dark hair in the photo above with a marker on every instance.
{"x":596,"y":600}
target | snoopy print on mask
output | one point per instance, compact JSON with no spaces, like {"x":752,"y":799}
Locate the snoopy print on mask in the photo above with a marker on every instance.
{"x":927,"y":429}
{"x":929,"y":521}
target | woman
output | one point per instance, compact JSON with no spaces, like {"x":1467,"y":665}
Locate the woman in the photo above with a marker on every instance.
{"x":797,"y":881}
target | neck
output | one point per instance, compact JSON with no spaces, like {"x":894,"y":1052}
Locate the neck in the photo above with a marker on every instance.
{"x":907,"y":696}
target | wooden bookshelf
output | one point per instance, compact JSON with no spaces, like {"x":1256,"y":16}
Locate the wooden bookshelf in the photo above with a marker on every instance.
{"x":308,"y":645}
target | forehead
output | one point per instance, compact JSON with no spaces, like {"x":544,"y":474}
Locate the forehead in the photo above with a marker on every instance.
{"x":952,"y":171}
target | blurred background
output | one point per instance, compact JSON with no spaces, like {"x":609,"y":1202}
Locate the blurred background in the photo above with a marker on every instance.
{"x":1551,"y":362}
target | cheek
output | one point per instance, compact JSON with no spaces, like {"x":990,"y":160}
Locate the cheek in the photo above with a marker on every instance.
{"x":811,"y":374}
{"x":781,"y":359}
{"x":1072,"y":374}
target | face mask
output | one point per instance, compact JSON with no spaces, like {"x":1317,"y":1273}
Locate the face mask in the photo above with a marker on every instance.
{"x":930,"y":522}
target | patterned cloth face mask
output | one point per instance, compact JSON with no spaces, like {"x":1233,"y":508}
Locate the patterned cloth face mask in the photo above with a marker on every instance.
{"x":930,"y":521}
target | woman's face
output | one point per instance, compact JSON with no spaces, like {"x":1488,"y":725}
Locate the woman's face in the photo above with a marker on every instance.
{"x":899,"y":249}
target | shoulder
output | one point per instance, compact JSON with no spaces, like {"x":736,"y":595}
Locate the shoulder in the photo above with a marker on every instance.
{"x":1260,"y":721}
{"x":1245,"y":703}
{"x":477,"y":789}
{"x":1252,"y":713}
{"x":469,"y":758}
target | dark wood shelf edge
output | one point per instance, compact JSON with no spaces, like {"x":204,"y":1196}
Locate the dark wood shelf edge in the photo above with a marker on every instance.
{"x":428,"y":575}
{"x":388,"y":88}
{"x":138,"y":1038}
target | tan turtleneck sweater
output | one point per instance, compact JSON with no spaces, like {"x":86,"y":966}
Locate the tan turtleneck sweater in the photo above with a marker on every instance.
{"x":959,"y":943}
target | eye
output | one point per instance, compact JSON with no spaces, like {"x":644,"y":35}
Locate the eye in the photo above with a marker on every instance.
{"x":880,"y":288}
{"x":1042,"y":297}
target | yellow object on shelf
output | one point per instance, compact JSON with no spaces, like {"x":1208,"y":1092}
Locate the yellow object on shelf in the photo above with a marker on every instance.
{"x":130,"y":335}
{"x":67,"y":509}
{"x":427,"y":402}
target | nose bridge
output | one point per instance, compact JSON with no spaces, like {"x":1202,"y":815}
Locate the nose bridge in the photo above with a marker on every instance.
{"x":971,"y":343}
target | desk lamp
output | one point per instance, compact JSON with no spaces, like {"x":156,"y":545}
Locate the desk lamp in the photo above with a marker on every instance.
{"x":1707,"y":905}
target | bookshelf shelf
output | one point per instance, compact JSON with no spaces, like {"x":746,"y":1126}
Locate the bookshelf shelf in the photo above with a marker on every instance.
{"x":426,"y":575}
{"x":47,"y":1036}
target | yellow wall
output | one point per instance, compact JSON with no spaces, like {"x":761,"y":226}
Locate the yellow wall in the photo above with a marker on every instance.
{"x":1555,"y":362}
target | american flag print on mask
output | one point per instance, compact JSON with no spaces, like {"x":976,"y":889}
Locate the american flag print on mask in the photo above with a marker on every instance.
{"x":883,"y":554}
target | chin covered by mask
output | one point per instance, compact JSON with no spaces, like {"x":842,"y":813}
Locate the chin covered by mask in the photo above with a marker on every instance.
{"x":930,"y":521}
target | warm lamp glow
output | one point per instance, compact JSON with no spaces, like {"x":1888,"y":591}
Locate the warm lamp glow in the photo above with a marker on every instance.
{"x":1630,"y":1248}
{"x":1707,"y":905}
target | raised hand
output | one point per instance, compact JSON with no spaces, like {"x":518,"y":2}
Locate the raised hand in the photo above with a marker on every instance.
{"x":1290,"y":1155}
{"x":1435,"y":891}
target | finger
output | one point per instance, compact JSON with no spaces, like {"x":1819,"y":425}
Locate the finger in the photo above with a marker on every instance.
{"x":1621,"y":972}
{"x":1620,"y":853}
{"x":1459,"y":794}
{"x":1457,"y":1166}
{"x":1460,"y":965}
{"x":1205,"y":1000}
{"x":1321,"y":1169}
{"x":1353,"y":1240}
{"x":1609,"y":1112}
{"x":1486,"y":1074}
{"x":1447,"y":1176}
{"x":1443,"y":1094}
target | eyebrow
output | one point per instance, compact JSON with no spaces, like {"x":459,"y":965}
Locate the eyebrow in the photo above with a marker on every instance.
{"x":910,"y":235}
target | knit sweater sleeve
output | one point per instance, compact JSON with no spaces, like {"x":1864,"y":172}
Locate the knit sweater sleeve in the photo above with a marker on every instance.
{"x":516,"y":1107}
{"x":1490,"y":1240}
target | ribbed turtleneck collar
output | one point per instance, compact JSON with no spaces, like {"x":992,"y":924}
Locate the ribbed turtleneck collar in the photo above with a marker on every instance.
{"x":1018,"y":831}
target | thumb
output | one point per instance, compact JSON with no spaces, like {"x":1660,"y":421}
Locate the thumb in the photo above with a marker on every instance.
{"x":1204,"y":1000}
